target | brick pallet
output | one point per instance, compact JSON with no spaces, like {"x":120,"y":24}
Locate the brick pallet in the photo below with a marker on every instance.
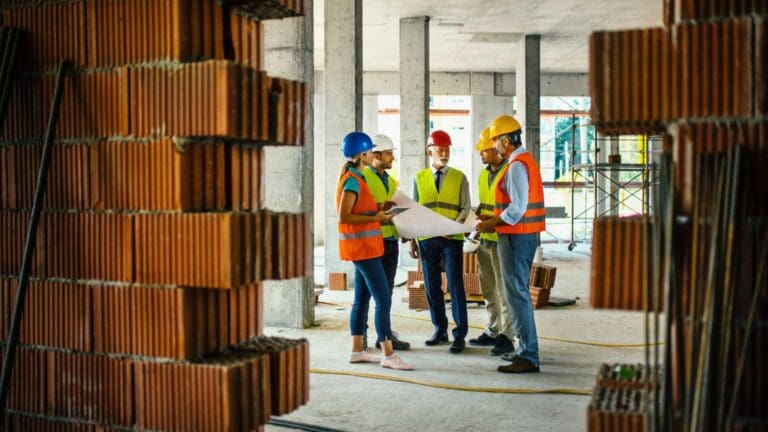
{"x":701,"y":81}
{"x":145,"y":306}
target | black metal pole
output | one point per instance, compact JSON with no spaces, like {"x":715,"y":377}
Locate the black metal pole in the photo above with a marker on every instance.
{"x":29,"y":245}
{"x":10,"y":49}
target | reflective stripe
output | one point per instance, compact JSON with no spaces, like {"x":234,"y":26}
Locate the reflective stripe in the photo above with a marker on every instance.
{"x":485,"y":207}
{"x":359,"y":235}
{"x":442,"y":205}
{"x":532,"y":219}
{"x":501,"y":206}
{"x":533,"y":206}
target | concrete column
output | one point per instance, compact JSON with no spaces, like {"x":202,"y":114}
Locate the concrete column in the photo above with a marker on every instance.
{"x":288,"y":54}
{"x":484,"y":110}
{"x":343,"y":89}
{"x":414,"y":104}
{"x":528,"y":92}
{"x":371,"y":114}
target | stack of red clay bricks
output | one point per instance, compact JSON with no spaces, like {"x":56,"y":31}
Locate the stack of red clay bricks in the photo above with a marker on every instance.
{"x":417,"y":296}
{"x":541,"y":282}
{"x":702,"y":81}
{"x":145,"y":310}
{"x":619,"y":401}
{"x":620,"y":266}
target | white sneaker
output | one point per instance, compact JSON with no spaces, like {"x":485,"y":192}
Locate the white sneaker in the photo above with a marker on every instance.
{"x":363,"y":357}
{"x":395,"y":362}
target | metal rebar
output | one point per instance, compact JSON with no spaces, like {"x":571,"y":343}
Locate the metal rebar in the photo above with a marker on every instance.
{"x":29,"y":245}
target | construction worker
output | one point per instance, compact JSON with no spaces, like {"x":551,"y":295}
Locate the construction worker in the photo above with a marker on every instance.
{"x":518,"y":218}
{"x":383,"y":187}
{"x":445,"y":190}
{"x":361,"y":242}
{"x":498,"y":332}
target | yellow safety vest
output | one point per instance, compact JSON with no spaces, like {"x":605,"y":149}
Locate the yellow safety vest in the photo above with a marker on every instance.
{"x":445,"y":203}
{"x":380,"y":194}
{"x":487,"y":194}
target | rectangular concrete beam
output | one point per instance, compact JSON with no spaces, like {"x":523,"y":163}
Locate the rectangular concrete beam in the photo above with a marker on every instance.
{"x":477,"y":83}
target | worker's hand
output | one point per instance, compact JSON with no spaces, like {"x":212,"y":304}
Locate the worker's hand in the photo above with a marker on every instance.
{"x":386,"y":205}
{"x":383,"y":217}
{"x":484,"y":217}
{"x":488,"y":226}
{"x":414,"y":252}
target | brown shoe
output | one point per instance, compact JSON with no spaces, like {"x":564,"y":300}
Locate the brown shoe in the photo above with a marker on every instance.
{"x":519,"y":365}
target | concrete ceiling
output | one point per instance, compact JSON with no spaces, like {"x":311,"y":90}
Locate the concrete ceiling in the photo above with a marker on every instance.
{"x":481,"y":35}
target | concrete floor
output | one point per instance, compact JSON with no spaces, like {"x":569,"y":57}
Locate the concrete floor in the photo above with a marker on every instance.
{"x":356,"y":404}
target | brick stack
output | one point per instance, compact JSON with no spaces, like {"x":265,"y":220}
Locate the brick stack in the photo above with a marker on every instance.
{"x":144,"y":311}
{"x":620,"y":267}
{"x":702,"y":80}
{"x":541,"y":282}
{"x":619,"y":401}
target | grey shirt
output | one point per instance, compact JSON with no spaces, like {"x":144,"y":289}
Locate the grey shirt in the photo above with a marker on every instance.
{"x":464,"y":201}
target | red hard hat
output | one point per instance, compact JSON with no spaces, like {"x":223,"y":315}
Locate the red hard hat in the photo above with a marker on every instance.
{"x":439,"y":138}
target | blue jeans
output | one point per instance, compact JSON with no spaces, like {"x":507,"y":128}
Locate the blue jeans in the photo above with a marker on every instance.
{"x":371,"y":281}
{"x":389,"y":261}
{"x":431,"y":251}
{"x":516,"y":253}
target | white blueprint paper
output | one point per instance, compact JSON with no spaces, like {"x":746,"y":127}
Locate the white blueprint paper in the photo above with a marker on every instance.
{"x":419,"y":221}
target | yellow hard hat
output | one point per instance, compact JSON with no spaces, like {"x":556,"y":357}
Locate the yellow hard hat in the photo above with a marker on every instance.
{"x":483,"y":142}
{"x":503,"y":124}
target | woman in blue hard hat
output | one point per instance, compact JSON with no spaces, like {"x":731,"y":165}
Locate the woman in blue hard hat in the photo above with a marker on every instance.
{"x":361,"y":241}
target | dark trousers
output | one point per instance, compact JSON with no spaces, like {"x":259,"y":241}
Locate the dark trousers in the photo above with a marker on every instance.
{"x":432,"y":251}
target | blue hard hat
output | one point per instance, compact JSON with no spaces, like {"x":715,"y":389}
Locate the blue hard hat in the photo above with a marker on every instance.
{"x":355,"y":143}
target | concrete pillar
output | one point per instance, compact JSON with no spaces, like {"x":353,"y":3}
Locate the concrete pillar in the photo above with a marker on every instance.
{"x":484,"y":109}
{"x":414,"y":104}
{"x":343,"y":89}
{"x":288,"y":53}
{"x":371,"y":114}
{"x":528,"y":91}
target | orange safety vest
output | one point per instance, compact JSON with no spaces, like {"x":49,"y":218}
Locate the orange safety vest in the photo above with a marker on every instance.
{"x":533,"y":220}
{"x":359,"y":241}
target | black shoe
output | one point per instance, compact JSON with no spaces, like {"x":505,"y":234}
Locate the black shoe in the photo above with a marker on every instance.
{"x":503,"y":346}
{"x":397,"y":344}
{"x":483,"y":340}
{"x":510,"y":357}
{"x":519,"y":365}
{"x":437,"y":339}
{"x":457,"y":346}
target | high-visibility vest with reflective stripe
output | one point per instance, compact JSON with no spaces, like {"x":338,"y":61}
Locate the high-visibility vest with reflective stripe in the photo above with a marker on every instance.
{"x":533,"y":220}
{"x":381,"y":194}
{"x":359,"y":241}
{"x":445,"y":203}
{"x":487,"y":194}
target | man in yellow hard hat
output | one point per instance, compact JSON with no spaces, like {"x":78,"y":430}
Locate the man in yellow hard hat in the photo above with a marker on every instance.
{"x":498,"y":332}
{"x":518,"y":219}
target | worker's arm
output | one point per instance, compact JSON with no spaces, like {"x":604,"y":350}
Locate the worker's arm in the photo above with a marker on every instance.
{"x":516,"y":186}
{"x":348,"y":199}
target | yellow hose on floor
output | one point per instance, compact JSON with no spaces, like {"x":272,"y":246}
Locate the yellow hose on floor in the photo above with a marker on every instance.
{"x":552,"y":338}
{"x":566,"y":391}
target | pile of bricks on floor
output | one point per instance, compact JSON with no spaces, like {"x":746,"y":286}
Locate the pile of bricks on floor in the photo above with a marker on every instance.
{"x":701,"y":81}
{"x":542,"y":280}
{"x":620,"y":267}
{"x":145,"y":307}
{"x":619,"y":402}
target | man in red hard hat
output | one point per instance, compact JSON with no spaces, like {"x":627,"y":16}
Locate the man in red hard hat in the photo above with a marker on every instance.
{"x":445,"y":191}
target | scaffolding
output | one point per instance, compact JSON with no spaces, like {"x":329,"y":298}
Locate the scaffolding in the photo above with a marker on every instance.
{"x":616,"y":186}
